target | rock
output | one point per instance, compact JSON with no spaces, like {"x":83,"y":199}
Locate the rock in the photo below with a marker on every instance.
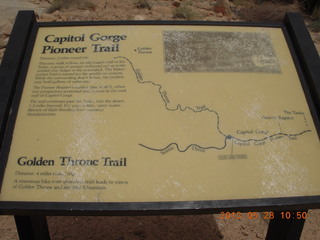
{"x":63,"y":17}
{"x":176,"y":4}
{"x":86,"y":13}
{"x":6,"y":30}
{"x":140,"y":233}
{"x":86,"y":5}
{"x":221,"y":7}
{"x":100,"y":4}
{"x":1,"y":54}
{"x":205,"y":13}
{"x":48,"y":17}
{"x":3,"y":42}
{"x":162,"y":10}
{"x":211,"y":18}
{"x":139,"y":17}
{"x":204,"y":5}
{"x":56,"y":13}
{"x":219,"y":14}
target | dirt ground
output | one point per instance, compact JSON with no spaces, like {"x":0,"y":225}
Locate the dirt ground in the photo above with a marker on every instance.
{"x":159,"y":227}
{"x":151,"y":227}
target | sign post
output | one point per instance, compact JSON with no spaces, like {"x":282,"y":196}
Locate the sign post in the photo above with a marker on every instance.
{"x":116,"y":118}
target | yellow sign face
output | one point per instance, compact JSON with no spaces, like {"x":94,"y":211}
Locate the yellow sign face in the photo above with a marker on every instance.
{"x":161,"y":113}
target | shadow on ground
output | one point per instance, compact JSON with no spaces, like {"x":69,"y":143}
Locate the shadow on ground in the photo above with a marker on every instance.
{"x":138,"y":227}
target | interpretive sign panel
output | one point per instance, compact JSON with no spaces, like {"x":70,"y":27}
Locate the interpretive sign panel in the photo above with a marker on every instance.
{"x":157,"y":113}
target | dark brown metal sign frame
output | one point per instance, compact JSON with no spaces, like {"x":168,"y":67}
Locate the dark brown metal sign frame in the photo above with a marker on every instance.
{"x":31,"y":215}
